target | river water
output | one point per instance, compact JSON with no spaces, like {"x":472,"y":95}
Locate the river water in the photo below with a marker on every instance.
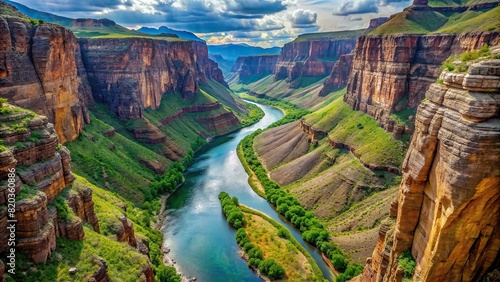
{"x":197,"y":234}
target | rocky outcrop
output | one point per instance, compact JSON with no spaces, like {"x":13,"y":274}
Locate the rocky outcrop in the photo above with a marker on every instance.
{"x":311,"y":57}
{"x":392,"y":72}
{"x":130,"y":74}
{"x":339,"y":75}
{"x":449,"y":199}
{"x":101,"y":275}
{"x":41,"y":69}
{"x":222,"y":124}
{"x":126,"y":233}
{"x":42,"y":171}
{"x":83,"y":206}
{"x":255,"y":65}
{"x":191,"y":109}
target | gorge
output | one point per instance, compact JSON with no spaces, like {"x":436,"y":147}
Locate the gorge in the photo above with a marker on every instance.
{"x":377,"y":149}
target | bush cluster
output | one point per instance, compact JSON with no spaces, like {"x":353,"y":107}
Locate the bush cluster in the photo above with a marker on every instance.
{"x":166,"y":183}
{"x":312,"y":230}
{"x":268,"y":267}
{"x":407,"y":263}
{"x":234,"y":215}
{"x":451,"y":63}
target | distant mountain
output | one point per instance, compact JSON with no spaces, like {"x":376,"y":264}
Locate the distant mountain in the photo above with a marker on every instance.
{"x":232,"y":51}
{"x":48,"y":17}
{"x":224,"y":65}
{"x":163,"y":29}
{"x":89,"y":27}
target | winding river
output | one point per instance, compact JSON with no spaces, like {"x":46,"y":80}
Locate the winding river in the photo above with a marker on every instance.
{"x":197,"y":234}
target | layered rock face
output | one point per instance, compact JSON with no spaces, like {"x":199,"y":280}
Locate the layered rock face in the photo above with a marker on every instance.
{"x":255,"y":65}
{"x":449,"y":199}
{"x":41,"y":69}
{"x":339,"y":76}
{"x":130,"y":74}
{"x":42,"y":172}
{"x":393,"y":72}
{"x":311,"y":57}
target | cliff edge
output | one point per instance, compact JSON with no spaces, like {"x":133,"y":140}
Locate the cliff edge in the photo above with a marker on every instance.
{"x":449,"y":200}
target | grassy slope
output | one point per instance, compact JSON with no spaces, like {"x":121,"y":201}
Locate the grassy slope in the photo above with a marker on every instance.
{"x":332,"y":182}
{"x":122,"y":260}
{"x":412,"y":21}
{"x":115,"y":162}
{"x":302,"y":92}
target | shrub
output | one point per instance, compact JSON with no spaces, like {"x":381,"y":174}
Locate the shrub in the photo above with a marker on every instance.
{"x":407,"y":263}
{"x":339,"y":262}
{"x":272,"y":269}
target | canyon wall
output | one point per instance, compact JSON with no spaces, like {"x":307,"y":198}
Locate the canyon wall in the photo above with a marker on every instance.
{"x":130,"y":74}
{"x":42,"y":172}
{"x":392,"y":72}
{"x":255,"y":65}
{"x":339,"y":76}
{"x":311,"y":57}
{"x":449,"y":200}
{"x":41,"y":69}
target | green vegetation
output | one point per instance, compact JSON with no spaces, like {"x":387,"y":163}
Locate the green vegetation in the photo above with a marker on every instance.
{"x":286,"y":204}
{"x":461,"y":62}
{"x":282,"y":232}
{"x":292,"y":112}
{"x":302,"y":91}
{"x":372,"y":143}
{"x":167,"y":183}
{"x":413,"y":21}
{"x":108,"y":206}
{"x":254,"y":115}
{"x":230,"y":208}
{"x":407,"y":263}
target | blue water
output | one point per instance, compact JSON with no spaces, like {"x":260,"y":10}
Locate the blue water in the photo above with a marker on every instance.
{"x":196,"y":232}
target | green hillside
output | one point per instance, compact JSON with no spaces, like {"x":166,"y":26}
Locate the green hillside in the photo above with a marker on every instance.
{"x":413,"y":21}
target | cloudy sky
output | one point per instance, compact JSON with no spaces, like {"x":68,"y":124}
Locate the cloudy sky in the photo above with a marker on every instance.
{"x":256,"y":22}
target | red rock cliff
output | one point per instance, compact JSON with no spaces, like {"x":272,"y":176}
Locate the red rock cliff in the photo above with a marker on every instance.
{"x":41,"y":69}
{"x":449,"y":198}
{"x":393,"y":72}
{"x":311,"y":57}
{"x":30,"y":144}
{"x":255,"y":65}
{"x":339,"y":75}
{"x":130,"y":74}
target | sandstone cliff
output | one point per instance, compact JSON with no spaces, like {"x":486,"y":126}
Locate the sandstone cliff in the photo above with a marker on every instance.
{"x":255,"y":65}
{"x":339,"y":75}
{"x":312,"y":56}
{"x":42,"y":172}
{"x":130,"y":74}
{"x":449,"y":200}
{"x":392,"y":72}
{"x":41,"y":69}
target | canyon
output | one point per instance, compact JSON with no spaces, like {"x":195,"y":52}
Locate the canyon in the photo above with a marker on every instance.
{"x":450,"y":178}
{"x":391,"y":73}
{"x":395,"y":152}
